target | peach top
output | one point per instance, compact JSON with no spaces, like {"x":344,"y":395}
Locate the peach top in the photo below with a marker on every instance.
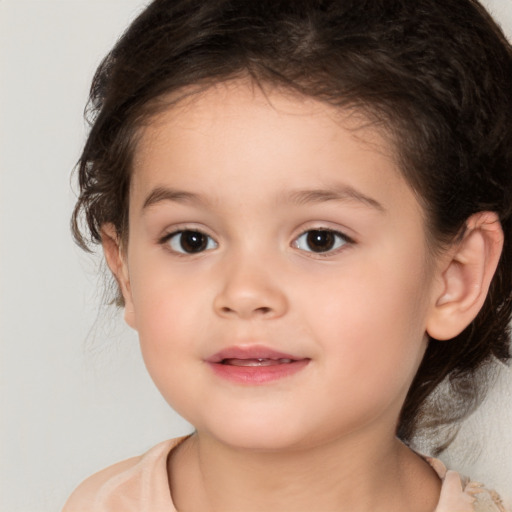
{"x":140,"y":484}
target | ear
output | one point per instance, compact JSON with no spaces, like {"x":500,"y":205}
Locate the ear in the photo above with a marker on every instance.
{"x":116,"y":261}
{"x":465,"y":276}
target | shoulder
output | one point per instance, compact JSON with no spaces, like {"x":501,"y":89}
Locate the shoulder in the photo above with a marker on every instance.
{"x":127,"y":484}
{"x":461,"y":494}
{"x":84,"y":496}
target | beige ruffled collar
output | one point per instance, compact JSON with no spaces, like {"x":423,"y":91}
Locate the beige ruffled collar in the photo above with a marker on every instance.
{"x":459,"y":494}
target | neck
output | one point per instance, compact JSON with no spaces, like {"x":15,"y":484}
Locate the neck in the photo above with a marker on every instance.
{"x":383,"y":476}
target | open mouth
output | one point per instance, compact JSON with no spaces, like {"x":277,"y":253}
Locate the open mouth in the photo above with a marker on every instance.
{"x":255,"y":364}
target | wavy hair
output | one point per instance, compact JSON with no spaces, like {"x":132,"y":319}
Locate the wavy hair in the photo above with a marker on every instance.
{"x":436,"y":75}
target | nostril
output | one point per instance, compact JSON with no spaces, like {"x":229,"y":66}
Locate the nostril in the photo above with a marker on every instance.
{"x":263,"y":310}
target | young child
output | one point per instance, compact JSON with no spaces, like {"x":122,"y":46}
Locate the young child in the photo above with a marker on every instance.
{"x":306,"y":205}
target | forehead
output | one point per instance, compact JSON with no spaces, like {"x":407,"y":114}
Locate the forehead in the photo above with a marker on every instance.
{"x":235,"y":133}
{"x":231,"y":101}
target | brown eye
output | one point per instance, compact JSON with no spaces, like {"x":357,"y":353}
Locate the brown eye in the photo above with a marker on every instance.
{"x":191,"y":242}
{"x":320,"y":240}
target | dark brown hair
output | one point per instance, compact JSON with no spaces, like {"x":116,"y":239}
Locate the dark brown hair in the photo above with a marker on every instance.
{"x":434,"y":74}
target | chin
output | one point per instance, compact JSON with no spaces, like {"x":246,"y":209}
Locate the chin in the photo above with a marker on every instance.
{"x":256,"y":434}
{"x":259,"y":441}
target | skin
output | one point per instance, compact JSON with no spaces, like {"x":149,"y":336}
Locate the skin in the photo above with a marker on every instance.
{"x":240,"y":166}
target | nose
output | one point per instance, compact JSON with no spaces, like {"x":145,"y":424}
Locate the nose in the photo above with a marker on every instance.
{"x":250,"y":291}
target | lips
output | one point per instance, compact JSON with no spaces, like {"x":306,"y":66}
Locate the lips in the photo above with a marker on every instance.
{"x":253,"y":365}
{"x":256,"y":362}
{"x":251,"y":352}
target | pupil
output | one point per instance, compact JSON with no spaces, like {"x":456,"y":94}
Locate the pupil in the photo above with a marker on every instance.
{"x":192,"y":241}
{"x":320,"y":241}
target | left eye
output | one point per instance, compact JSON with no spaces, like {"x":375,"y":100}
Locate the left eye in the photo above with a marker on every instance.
{"x":320,"y":240}
{"x":190,"y":242}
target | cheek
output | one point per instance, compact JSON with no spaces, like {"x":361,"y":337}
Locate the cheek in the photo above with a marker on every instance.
{"x":165,"y":315}
{"x":167,"y":322}
{"x":167,"y":308}
{"x":373,"y":319}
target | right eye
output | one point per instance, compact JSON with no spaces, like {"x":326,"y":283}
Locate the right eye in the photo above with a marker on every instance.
{"x":322,"y":241}
{"x":190,"y":242}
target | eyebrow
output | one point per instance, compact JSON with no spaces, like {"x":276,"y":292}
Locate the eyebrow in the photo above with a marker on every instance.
{"x":161,"y":194}
{"x":336,"y":193}
{"x":299,"y":197}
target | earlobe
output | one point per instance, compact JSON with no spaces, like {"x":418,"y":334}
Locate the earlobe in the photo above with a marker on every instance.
{"x":116,"y":261}
{"x":466,"y":276}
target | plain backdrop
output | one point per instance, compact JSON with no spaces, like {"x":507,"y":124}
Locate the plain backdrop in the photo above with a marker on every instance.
{"x":74,"y":394}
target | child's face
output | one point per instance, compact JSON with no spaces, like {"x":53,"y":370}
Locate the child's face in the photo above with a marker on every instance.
{"x":302,"y":238}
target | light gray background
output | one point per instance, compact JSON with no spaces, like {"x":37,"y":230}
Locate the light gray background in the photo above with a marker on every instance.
{"x":74,"y":394}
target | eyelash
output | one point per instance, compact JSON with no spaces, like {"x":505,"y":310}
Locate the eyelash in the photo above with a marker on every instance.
{"x":167,"y":239}
{"x":338,"y":239}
